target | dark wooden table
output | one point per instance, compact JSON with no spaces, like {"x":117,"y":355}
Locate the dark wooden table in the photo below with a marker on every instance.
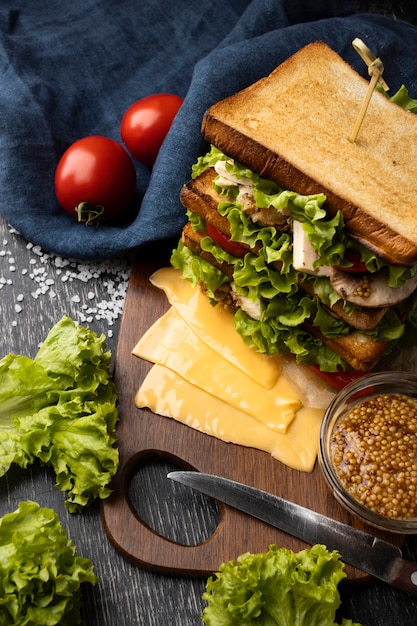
{"x":36,"y":289}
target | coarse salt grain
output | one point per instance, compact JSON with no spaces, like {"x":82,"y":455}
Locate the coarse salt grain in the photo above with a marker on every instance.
{"x":45,"y":267}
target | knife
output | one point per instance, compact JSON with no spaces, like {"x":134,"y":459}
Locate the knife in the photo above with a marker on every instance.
{"x":367,"y":553}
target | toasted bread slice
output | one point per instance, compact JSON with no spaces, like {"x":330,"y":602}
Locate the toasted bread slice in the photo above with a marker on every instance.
{"x":191,"y":238}
{"x":361,"y":318}
{"x":294,"y":127}
{"x":359,"y":350}
{"x":200,"y":197}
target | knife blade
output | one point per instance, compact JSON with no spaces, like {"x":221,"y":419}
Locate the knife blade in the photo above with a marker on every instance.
{"x":368,"y":553}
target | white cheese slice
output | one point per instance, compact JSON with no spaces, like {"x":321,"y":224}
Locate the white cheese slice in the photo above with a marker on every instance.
{"x":228,"y":180}
{"x":304,"y":255}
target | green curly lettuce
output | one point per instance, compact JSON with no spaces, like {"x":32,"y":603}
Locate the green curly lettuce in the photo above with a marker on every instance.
{"x":60,"y":408}
{"x":276,"y":588}
{"x":40,"y":572}
{"x":198,"y":271}
{"x":327,"y":236}
{"x":277,"y":330}
{"x":284,"y":306}
{"x":401,"y":97}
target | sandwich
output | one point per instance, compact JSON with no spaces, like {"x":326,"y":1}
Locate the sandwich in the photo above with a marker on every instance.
{"x":308,"y":238}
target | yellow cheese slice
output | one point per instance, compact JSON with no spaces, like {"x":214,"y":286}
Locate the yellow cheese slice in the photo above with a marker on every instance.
{"x":172,"y":343}
{"x":166,"y":393}
{"x":213,"y":324}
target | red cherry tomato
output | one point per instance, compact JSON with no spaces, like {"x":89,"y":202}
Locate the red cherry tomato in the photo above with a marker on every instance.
{"x":145,"y":124}
{"x":95,"y":179}
{"x":339,"y":379}
{"x":232,"y":247}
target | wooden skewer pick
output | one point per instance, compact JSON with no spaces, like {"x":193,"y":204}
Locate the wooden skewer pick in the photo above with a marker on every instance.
{"x":368,"y":56}
{"x":375,"y":70}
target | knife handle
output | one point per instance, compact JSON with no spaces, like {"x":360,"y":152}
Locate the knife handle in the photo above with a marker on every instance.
{"x":404,"y":576}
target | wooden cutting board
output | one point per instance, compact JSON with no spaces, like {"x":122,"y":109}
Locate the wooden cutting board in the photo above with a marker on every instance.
{"x":144,"y":437}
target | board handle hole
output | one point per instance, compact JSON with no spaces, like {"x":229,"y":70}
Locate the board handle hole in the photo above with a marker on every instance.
{"x":172,"y":510}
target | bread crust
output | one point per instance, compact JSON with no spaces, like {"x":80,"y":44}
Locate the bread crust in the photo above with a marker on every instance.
{"x":200,"y":197}
{"x":192,"y":239}
{"x":372,"y":181}
{"x":359,"y":350}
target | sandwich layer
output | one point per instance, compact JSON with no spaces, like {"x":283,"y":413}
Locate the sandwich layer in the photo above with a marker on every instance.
{"x":293,"y":127}
{"x":200,"y":197}
{"x":357,"y":349}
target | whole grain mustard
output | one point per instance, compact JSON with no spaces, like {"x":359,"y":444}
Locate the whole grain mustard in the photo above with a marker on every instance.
{"x":374,"y":452}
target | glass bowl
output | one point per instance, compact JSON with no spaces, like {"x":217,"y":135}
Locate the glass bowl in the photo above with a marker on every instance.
{"x":368,"y":450}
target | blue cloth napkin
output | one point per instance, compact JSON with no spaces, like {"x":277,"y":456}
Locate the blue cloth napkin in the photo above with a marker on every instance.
{"x":68,"y":70}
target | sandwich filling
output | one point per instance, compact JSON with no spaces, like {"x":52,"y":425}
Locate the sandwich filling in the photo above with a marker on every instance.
{"x":294,"y":278}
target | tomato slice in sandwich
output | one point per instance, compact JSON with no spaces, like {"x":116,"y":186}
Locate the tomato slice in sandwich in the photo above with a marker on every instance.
{"x":338,"y":379}
{"x":232,"y":247}
{"x":357,"y":267}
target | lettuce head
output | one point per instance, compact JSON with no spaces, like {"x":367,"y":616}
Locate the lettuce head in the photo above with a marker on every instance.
{"x":60,"y":408}
{"x":40,"y":571}
{"x":276,"y":588}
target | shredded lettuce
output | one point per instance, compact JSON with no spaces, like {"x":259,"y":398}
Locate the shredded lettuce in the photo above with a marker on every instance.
{"x":60,"y":408}
{"x":40,"y":571}
{"x":276,"y":588}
